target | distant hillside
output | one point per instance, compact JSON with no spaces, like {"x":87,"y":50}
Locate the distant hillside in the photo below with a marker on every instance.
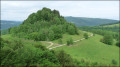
{"x":81,"y":21}
{"x":111,"y":24}
{"x":5,"y":24}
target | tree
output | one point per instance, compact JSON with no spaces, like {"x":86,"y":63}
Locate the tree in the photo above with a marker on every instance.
{"x":107,"y":39}
{"x":65,"y":59}
{"x":85,"y":35}
{"x":51,"y":35}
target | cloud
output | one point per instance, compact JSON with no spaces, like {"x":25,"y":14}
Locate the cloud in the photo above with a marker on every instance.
{"x":20,"y":10}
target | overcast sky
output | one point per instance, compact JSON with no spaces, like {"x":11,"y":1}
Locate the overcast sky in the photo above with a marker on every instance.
{"x":20,"y":10}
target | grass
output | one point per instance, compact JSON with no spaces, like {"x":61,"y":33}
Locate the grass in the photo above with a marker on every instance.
{"x":117,"y":25}
{"x":26,"y":41}
{"x":74,"y":37}
{"x":92,"y":50}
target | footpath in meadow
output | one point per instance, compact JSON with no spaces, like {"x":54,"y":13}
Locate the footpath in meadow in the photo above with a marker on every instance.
{"x":59,"y":45}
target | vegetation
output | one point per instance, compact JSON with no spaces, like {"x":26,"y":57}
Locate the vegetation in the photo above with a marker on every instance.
{"x":109,"y":31}
{"x":107,"y":39}
{"x":118,"y":44}
{"x":25,"y":45}
{"x":15,"y":53}
{"x":65,"y":59}
{"x":84,"y":21}
{"x":86,"y":36}
{"x":114,"y":62}
{"x":45,"y":25}
{"x":70,"y":41}
{"x":92,"y":52}
{"x":60,"y":41}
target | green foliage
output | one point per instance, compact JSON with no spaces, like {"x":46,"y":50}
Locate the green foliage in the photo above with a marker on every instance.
{"x":17,"y":54}
{"x":112,"y":29}
{"x":107,"y":39}
{"x":83,"y":21}
{"x":65,"y":59}
{"x":86,"y":36}
{"x":60,"y":41}
{"x":118,"y":44}
{"x":114,"y":62}
{"x":90,"y":51}
{"x":45,"y":25}
{"x":70,"y":41}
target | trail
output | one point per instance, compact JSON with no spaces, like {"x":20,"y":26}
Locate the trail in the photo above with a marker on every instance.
{"x":50,"y":44}
{"x":59,"y":45}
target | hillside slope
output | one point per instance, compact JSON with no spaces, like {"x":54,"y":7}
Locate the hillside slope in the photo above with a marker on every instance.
{"x":5,"y":24}
{"x":82,"y":21}
{"x":44,"y":25}
{"x":92,"y":50}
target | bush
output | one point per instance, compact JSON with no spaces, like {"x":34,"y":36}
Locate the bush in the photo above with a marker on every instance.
{"x":38,"y":45}
{"x":65,"y":59}
{"x":85,"y":35}
{"x":70,"y":41}
{"x":114,"y":62}
{"x":118,"y":44}
{"x":15,"y":55}
{"x":107,"y":39}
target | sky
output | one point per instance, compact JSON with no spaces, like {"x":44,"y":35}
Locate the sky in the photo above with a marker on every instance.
{"x":20,"y":10}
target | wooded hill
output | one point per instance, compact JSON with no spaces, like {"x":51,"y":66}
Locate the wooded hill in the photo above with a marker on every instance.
{"x":5,"y":24}
{"x":84,"y":21}
{"x":45,"y":24}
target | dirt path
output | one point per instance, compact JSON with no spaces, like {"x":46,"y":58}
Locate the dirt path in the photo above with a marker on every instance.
{"x":59,"y":45}
{"x":50,"y":44}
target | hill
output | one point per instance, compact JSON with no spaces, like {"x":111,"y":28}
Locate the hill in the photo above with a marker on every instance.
{"x":111,"y":24}
{"x":5,"y":24}
{"x":45,"y":24}
{"x":78,"y":21}
{"x":82,"y":21}
{"x":46,"y":39}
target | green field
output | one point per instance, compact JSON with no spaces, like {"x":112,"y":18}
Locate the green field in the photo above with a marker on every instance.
{"x":74,"y":37}
{"x":92,"y":50}
{"x":113,"y":25}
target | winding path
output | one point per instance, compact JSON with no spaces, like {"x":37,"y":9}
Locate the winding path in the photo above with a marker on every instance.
{"x":50,"y":44}
{"x":59,"y":45}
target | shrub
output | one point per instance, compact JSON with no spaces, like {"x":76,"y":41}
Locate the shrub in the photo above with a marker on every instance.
{"x":38,"y":45}
{"x":86,"y":36}
{"x":107,"y":39}
{"x":114,"y":62}
{"x":65,"y":59}
{"x":70,"y":41}
{"x":118,"y":44}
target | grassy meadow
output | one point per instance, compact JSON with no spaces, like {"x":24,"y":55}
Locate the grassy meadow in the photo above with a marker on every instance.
{"x":92,"y":50}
